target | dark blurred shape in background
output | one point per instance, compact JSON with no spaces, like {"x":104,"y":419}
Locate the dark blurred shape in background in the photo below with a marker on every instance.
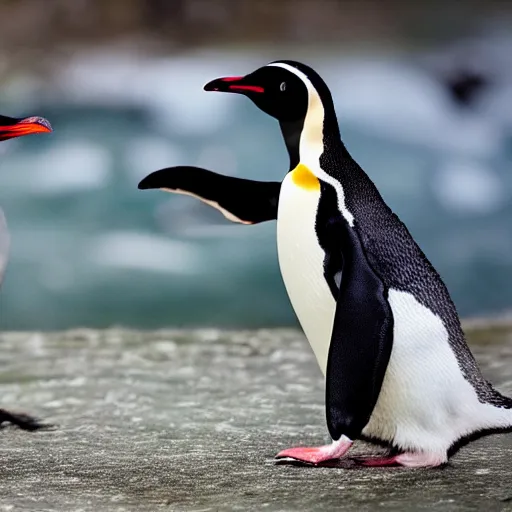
{"x":424,"y":96}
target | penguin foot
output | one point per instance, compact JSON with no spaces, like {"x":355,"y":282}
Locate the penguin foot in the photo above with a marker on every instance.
{"x":422,"y":460}
{"x":377,"y":461}
{"x":408,"y":459}
{"x":23,"y":421}
{"x":315,"y":455}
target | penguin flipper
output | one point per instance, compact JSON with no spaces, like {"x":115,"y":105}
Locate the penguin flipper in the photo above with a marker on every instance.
{"x":238,"y":199}
{"x":4,"y":245}
{"x":361,"y":341}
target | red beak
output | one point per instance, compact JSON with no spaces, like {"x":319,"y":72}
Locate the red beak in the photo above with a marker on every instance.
{"x":233,"y":84}
{"x":11,"y":127}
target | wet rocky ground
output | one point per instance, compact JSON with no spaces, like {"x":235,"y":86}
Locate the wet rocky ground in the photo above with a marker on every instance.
{"x":191,"y":420}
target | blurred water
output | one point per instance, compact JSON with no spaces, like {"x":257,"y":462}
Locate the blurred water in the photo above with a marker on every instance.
{"x":88,"y":248}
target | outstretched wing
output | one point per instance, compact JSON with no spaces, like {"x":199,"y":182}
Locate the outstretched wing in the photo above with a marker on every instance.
{"x":361,"y":341}
{"x":4,"y":245}
{"x":239,"y":200}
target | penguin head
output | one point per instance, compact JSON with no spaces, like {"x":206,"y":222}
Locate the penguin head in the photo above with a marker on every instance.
{"x":11,"y":127}
{"x":282,"y":89}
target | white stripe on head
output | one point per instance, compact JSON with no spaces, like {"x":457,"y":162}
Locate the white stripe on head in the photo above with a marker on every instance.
{"x":311,"y":144}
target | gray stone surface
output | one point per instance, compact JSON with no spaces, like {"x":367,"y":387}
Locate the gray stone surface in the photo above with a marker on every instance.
{"x":191,"y":420}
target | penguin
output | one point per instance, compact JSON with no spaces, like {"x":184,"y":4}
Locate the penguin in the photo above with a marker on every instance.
{"x":10,"y":128}
{"x":379,"y":318}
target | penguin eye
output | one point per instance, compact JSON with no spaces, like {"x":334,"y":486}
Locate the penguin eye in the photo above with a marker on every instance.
{"x":282,"y":87}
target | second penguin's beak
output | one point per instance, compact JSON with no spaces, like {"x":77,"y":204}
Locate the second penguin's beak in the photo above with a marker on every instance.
{"x":239,"y":84}
{"x":12,"y":127}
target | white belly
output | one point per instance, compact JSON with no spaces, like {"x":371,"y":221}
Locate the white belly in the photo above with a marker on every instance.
{"x":301,"y":261}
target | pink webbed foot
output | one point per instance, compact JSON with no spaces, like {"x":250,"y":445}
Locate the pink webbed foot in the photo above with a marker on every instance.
{"x":409,"y":460}
{"x":377,"y":461}
{"x":318,"y":454}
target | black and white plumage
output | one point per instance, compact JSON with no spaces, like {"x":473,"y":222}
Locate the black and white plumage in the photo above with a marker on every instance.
{"x":10,"y":128}
{"x":377,"y":315}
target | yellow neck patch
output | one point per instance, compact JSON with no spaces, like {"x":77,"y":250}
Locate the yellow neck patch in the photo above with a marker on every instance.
{"x":304,"y":178}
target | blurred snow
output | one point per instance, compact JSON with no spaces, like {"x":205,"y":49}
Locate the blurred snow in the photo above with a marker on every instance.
{"x":141,"y":251}
{"x":218,"y":158}
{"x":146,"y":154}
{"x":71,"y":166}
{"x":389,"y":96}
{"x":172,"y":88}
{"x":397,"y":101}
{"x":467,"y":187}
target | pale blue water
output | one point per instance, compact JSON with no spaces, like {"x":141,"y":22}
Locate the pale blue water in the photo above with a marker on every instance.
{"x":90,"y":249}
